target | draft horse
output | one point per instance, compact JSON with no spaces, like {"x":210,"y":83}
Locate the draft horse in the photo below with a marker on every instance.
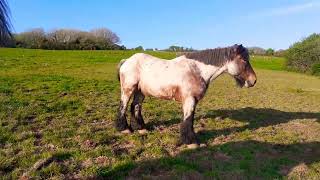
{"x":184,"y":79}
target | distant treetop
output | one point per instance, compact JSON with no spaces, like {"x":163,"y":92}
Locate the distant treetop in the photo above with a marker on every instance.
{"x":96,"y":39}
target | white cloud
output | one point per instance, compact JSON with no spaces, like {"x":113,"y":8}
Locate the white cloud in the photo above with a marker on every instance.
{"x":288,"y":10}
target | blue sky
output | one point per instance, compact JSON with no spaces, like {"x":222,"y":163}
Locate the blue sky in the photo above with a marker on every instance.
{"x":192,"y":23}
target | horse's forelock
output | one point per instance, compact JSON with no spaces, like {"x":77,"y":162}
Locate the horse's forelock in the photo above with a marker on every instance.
{"x":242,"y":51}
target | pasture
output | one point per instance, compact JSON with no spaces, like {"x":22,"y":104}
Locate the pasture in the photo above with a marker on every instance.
{"x":57,"y":110}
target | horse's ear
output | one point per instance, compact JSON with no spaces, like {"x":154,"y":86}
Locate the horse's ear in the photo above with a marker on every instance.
{"x":240,"y":49}
{"x":235,"y":48}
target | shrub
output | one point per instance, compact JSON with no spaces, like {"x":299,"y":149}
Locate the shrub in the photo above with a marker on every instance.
{"x":315,"y":70}
{"x":304,"y":56}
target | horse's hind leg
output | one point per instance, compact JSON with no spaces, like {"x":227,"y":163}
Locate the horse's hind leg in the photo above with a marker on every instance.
{"x":121,"y":121}
{"x":136,"y":121}
{"x":187,"y":133}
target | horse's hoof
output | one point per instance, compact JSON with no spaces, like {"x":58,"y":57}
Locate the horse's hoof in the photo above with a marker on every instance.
{"x":142,"y":131}
{"x":203,"y":145}
{"x":192,"y":146}
{"x":126,"y":131}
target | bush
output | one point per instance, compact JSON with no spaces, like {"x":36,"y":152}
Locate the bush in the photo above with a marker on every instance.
{"x":315,"y":70}
{"x":304,"y":56}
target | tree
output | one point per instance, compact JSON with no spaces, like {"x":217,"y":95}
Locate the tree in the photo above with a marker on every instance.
{"x":304,"y":56}
{"x":139,"y":48}
{"x":67,"y":38}
{"x":257,"y":51}
{"x":175,"y":48}
{"x":105,"y":34}
{"x":33,"y":38}
{"x":64,"y":35}
{"x":270,"y":52}
{"x":75,"y":39}
{"x":179,"y":49}
{"x":5,"y":24}
{"x":280,"y":53}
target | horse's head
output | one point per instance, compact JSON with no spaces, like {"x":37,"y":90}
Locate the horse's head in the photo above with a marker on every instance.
{"x":240,"y":68}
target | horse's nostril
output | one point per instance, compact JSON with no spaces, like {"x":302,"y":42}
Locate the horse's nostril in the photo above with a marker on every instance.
{"x":254,"y":82}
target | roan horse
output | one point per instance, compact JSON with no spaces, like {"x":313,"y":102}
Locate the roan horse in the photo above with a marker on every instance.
{"x":184,"y":79}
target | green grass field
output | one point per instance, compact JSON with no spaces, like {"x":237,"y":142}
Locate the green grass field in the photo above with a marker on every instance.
{"x":57,"y":110}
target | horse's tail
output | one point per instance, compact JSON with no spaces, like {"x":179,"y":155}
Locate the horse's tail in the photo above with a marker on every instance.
{"x":118,"y":68}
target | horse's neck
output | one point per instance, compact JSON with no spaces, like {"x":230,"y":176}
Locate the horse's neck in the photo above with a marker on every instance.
{"x":210,"y":72}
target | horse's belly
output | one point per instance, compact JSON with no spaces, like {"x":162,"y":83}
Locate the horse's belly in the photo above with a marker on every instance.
{"x":163,"y":91}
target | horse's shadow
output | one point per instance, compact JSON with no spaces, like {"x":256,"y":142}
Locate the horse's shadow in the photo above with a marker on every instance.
{"x":254,"y":117}
{"x":233,"y":160}
{"x":261,"y":117}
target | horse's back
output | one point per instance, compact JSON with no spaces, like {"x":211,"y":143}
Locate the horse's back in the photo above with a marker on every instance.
{"x":143,"y":57}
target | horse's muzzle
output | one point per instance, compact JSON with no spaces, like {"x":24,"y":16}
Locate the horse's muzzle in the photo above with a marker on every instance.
{"x":252,"y":80}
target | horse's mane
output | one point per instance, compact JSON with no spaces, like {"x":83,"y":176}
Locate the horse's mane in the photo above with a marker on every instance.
{"x":219,"y":56}
{"x":5,"y":25}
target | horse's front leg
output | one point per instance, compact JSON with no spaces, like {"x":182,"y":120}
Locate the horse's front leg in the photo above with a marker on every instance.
{"x":121,"y":121}
{"x":187,"y":133}
{"x":136,"y":121}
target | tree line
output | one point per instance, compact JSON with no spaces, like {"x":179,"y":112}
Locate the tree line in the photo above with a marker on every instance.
{"x":67,"y":39}
{"x":266,"y":52}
